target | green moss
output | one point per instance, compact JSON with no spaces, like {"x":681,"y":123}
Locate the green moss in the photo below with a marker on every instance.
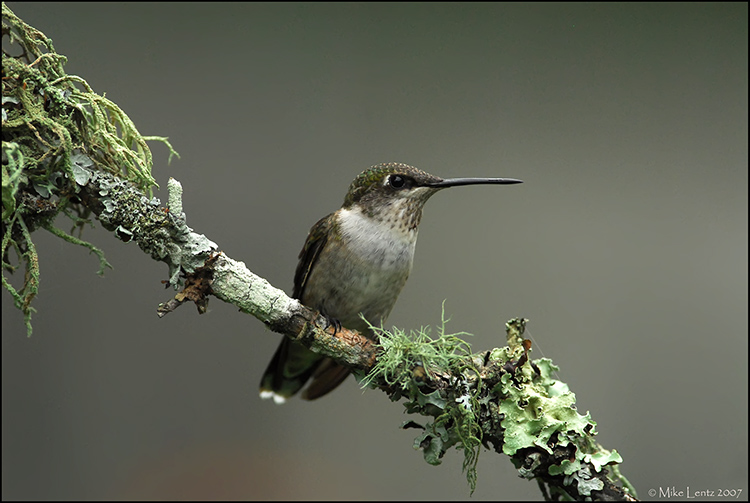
{"x":56,"y":131}
{"x":406,"y":361}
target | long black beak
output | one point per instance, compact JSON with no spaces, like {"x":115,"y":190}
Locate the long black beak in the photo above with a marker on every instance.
{"x":453,"y":182}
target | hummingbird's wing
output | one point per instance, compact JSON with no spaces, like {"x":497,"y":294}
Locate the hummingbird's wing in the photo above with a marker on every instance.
{"x":326,"y":373}
{"x":315,"y":242}
{"x":293,"y":364}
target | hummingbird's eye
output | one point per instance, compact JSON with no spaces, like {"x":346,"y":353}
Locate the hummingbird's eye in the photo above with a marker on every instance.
{"x":397,"y":181}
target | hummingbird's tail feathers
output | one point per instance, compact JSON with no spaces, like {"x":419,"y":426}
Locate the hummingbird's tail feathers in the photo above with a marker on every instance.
{"x":288,"y":371}
{"x":326,"y":378}
{"x":266,"y":394}
{"x":292,"y":366}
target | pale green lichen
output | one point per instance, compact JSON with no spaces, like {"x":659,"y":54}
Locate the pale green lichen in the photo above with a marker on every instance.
{"x":539,"y":412}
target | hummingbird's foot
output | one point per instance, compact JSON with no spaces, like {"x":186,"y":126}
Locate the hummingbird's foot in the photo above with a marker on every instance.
{"x":332,"y":322}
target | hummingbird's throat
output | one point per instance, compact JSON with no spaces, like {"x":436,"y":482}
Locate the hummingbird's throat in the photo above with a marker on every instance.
{"x":402,"y":215}
{"x":385,"y":238}
{"x":402,"y":212}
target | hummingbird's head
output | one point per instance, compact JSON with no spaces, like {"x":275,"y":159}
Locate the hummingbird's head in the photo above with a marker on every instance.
{"x":392,"y":192}
{"x":397,"y":192}
{"x":390,"y":181}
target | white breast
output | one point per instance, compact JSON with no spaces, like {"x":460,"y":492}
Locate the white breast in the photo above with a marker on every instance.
{"x":377,"y":243}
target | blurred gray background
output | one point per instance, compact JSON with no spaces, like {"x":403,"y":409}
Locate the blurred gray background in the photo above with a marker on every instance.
{"x":626,"y":247}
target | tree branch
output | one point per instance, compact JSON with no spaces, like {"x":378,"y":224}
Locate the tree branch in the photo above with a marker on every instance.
{"x":498,"y":398}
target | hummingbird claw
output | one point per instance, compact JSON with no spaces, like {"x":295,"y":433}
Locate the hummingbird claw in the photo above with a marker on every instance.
{"x":335,"y":322}
{"x":331,"y":322}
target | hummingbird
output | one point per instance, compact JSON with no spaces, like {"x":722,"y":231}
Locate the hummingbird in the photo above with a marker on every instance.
{"x":355,"y":262}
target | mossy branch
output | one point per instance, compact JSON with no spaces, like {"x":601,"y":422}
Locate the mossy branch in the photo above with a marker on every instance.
{"x":55,"y":129}
{"x":69,"y":151}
